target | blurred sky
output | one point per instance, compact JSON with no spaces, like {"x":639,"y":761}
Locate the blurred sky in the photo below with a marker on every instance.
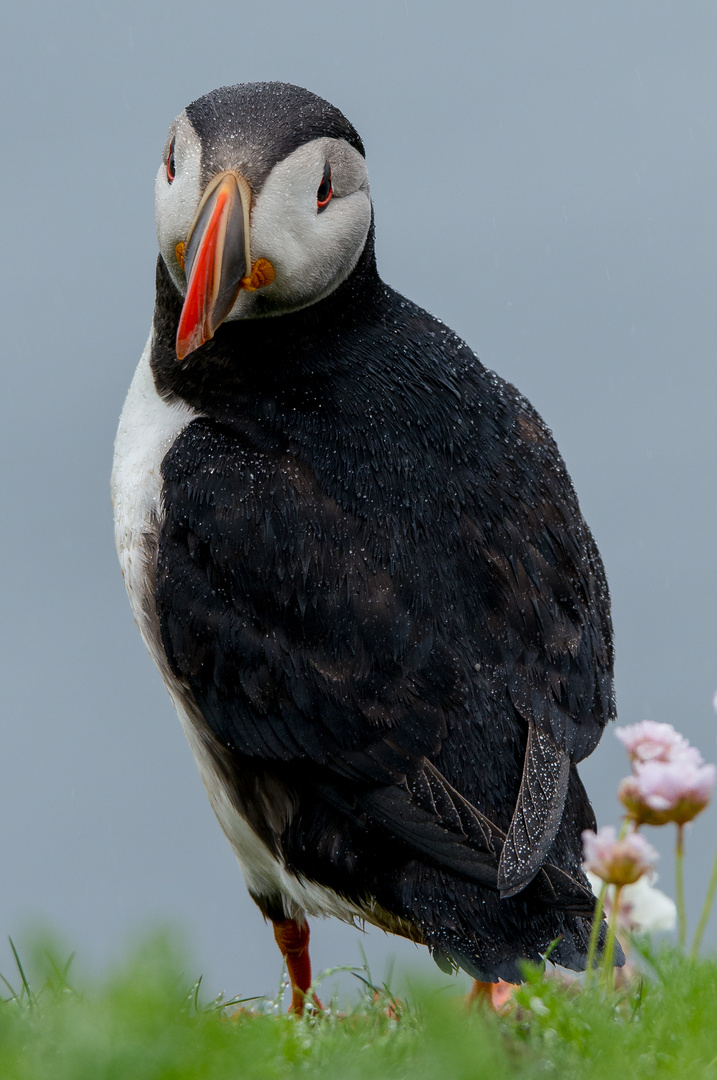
{"x":544,"y":179}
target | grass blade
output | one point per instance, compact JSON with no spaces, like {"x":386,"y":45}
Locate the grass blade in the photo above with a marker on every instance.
{"x":25,"y":984}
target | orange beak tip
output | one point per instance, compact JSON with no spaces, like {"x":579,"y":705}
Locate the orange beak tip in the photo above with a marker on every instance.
{"x":191,"y":339}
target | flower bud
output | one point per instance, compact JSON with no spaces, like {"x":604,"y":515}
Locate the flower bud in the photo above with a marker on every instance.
{"x":662,"y":791}
{"x":617,"y":862}
{"x":650,"y":741}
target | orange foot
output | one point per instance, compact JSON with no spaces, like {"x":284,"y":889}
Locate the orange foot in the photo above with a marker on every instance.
{"x":391,"y":1010}
{"x":495,"y":996}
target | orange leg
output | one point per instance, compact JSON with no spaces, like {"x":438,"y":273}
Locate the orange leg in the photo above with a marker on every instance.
{"x":293,"y":939}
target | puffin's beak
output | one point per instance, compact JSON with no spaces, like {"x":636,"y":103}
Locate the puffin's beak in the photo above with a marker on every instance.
{"x":217,"y":260}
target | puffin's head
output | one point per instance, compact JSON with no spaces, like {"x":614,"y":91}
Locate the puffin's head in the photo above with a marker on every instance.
{"x":262,"y":205}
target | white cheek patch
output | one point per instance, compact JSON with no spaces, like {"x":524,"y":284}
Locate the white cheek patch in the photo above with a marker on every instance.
{"x":311,"y":252}
{"x":176,"y":204}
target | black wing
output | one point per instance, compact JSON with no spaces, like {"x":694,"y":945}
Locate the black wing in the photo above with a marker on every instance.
{"x":310,"y":633}
{"x":542,"y":605}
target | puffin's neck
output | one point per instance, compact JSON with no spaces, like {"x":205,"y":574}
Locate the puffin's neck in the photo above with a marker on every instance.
{"x":270,"y":355}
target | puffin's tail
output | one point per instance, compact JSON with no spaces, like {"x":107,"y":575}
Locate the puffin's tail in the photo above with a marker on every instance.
{"x":465,"y":923}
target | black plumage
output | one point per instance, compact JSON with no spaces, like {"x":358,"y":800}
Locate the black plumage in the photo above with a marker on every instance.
{"x":374,"y":582}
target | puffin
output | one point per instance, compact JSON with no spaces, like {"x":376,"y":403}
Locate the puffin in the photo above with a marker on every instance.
{"x":358,"y":561}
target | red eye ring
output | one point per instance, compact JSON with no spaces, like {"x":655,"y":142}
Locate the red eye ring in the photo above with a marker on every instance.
{"x":326,"y":191}
{"x":171,"y":168}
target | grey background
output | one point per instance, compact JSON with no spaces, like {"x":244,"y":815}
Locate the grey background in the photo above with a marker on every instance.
{"x":544,"y":181}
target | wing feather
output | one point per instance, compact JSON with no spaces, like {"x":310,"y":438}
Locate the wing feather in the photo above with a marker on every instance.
{"x":538,"y":812}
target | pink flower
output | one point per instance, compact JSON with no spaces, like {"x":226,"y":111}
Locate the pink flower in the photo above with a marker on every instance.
{"x":662,"y":791}
{"x":617,"y":862}
{"x":650,"y":741}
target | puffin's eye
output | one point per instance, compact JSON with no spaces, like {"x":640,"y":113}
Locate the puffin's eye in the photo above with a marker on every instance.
{"x":323,"y":195}
{"x":171,"y":169}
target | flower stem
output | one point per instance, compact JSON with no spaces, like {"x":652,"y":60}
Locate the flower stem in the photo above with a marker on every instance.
{"x":706,"y":912}
{"x":680,"y":885}
{"x":597,"y":923}
{"x":607,"y":965}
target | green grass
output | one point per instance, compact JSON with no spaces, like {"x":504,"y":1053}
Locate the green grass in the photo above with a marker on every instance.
{"x":146,"y":1022}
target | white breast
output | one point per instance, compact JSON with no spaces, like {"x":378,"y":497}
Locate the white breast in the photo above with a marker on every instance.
{"x":147,"y":429}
